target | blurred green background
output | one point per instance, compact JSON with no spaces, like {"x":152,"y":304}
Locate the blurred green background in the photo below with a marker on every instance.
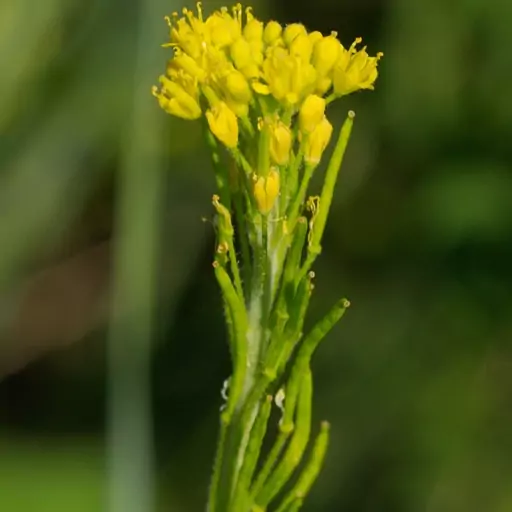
{"x":416,"y":380}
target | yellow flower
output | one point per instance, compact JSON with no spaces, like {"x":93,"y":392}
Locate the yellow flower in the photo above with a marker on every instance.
{"x":315,"y":36}
{"x":223,"y":124}
{"x":316,"y":142}
{"x":280,"y":143}
{"x":176,"y":101}
{"x":326,"y":53}
{"x":292,"y":31}
{"x":311,"y":113}
{"x":223,"y":28}
{"x":257,"y":51}
{"x":230,"y":55}
{"x":302,"y":47}
{"x":187,"y":33}
{"x":355,"y":70}
{"x":240,"y":109}
{"x":266,"y":191}
{"x":189,"y":65}
{"x":240,"y":53}
{"x":287,"y":77}
{"x":272,"y":32}
{"x":323,"y":84}
{"x":237,"y":86}
{"x":253,"y":30}
{"x":251,"y":71}
{"x":186,"y":81}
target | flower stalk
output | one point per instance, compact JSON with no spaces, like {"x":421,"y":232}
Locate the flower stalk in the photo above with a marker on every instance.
{"x":262,"y":91}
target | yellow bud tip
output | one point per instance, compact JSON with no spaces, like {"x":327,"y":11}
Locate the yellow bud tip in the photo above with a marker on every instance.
{"x":351,"y":114}
{"x":346,"y":303}
{"x":266,"y":191}
{"x":223,"y":124}
{"x":311,"y":113}
{"x":325,"y":426}
{"x":311,"y":274}
{"x":215,"y":264}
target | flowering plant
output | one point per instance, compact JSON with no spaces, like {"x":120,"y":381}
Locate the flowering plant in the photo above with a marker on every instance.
{"x":262,"y":92}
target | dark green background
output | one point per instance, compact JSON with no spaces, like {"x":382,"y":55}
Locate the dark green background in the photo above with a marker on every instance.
{"x":417,"y":378}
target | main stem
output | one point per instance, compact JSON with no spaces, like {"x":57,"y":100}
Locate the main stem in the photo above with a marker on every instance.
{"x":256,"y":339}
{"x":233,"y":448}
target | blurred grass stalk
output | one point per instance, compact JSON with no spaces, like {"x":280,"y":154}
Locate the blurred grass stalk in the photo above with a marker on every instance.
{"x":138,"y":222}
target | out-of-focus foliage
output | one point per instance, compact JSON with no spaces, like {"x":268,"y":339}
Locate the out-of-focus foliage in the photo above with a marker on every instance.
{"x":415,"y":381}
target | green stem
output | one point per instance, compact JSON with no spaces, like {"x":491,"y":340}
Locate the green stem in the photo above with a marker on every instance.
{"x":310,"y":472}
{"x":264,"y":149}
{"x":282,"y":344}
{"x":300,"y":197}
{"x":295,"y":505}
{"x":221,"y":172}
{"x":295,"y":450}
{"x":308,"y":346}
{"x":240,"y":500}
{"x":293,"y":176}
{"x":247,"y":401}
{"x":238,"y":315}
{"x":331,"y":176}
{"x":266,"y":278}
{"x":217,"y":468}
{"x":269,"y":464}
{"x":226,"y":233}
{"x":238,"y":203}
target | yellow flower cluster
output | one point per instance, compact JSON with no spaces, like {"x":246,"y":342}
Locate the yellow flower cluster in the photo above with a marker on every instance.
{"x":230,"y":56}
{"x":245,"y":75}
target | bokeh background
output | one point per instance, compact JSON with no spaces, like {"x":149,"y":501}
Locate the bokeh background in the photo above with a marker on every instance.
{"x":102,"y":198}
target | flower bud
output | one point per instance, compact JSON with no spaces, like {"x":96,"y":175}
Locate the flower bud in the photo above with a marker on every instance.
{"x":189,"y":65}
{"x":272,"y":32}
{"x":253,"y":30}
{"x":266,"y":191}
{"x":280,"y":143}
{"x":223,"y":124}
{"x":238,"y":87}
{"x":292,"y":31}
{"x":311,"y":113}
{"x":301,"y":47}
{"x":240,"y":52}
{"x":240,"y":109}
{"x":315,"y":36}
{"x":251,"y":71}
{"x":316,"y":142}
{"x":257,"y":51}
{"x":323,"y":84}
{"x":176,"y":101}
{"x":222,"y":29}
{"x":325,"y":54}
